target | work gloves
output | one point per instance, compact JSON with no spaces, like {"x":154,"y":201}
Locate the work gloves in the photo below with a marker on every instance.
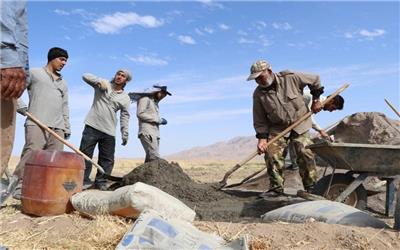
{"x":163,"y":121}
{"x":124,"y":142}
{"x":67,"y":136}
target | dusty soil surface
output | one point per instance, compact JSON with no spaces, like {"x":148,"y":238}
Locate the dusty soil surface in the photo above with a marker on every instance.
{"x":225,"y":215}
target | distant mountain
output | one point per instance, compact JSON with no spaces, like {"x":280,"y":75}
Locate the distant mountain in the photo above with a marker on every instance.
{"x":235,"y":149}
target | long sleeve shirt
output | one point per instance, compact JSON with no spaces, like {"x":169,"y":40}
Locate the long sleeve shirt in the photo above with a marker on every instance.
{"x":308,"y":101}
{"x":106,"y":103}
{"x":48,"y":99}
{"x":148,"y":115}
{"x":14,"y":35}
{"x":278,"y":106}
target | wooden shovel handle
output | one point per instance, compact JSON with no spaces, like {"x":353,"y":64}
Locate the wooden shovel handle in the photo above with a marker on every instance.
{"x":284,"y":132}
{"x":76,"y":150}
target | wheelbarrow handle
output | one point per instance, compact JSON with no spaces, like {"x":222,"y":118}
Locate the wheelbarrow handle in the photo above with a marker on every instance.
{"x":281,"y":134}
{"x":76,"y":150}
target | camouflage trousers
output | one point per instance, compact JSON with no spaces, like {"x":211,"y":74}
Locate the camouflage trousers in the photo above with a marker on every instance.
{"x":274,"y":159}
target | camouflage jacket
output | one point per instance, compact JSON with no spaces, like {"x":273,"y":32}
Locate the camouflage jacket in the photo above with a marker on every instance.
{"x":277,"y":106}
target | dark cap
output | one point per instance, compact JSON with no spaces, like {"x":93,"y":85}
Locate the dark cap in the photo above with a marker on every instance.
{"x":55,"y":53}
{"x":162,"y":88}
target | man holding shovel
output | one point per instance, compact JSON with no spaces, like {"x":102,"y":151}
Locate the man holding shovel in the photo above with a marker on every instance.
{"x":48,"y":101}
{"x":277,"y":103}
{"x":149,"y":118}
{"x":101,"y":121}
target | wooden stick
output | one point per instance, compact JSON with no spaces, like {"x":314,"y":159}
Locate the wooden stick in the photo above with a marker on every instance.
{"x":76,"y":150}
{"x":281,"y":134}
{"x":392,"y":107}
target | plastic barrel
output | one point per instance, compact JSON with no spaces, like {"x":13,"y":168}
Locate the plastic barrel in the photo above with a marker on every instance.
{"x":50,"y":179}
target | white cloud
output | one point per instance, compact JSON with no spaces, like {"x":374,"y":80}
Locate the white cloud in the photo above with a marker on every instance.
{"x":364,"y":34}
{"x":242,"y":33}
{"x":61,"y":12}
{"x":372,"y":34}
{"x":223,"y":26}
{"x":211,"y":4}
{"x":111,"y":24}
{"x":186,"y":39}
{"x":260,"y":25}
{"x":282,"y":26}
{"x":243,"y":40}
{"x":208,"y":30}
{"x":147,"y":60}
{"x":199,"y":32}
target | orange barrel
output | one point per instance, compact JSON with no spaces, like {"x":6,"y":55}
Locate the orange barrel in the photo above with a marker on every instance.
{"x":50,"y":179}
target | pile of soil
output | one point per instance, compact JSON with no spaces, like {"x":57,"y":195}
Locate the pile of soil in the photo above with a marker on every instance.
{"x":170,"y":178}
{"x":367,"y":128}
{"x":209,"y":203}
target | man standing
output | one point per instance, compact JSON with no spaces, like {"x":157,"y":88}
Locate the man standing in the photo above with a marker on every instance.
{"x":277,"y":103}
{"x":336,"y":103}
{"x":46,"y":86}
{"x":101,"y":121}
{"x":13,"y":60}
{"x":148,"y":115}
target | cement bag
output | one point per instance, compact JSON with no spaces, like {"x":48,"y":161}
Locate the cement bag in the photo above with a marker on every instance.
{"x":153,"y":231}
{"x":130,"y":201}
{"x":324,"y":211}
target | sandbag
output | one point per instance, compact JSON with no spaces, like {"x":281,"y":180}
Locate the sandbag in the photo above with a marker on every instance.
{"x":330,"y":212}
{"x":130,"y":201}
{"x":153,"y":231}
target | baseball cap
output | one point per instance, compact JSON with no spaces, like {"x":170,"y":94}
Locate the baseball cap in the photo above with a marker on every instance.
{"x":257,"y":68}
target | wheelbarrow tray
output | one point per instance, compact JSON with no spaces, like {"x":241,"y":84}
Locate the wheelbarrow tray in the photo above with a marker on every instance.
{"x":374,"y":158}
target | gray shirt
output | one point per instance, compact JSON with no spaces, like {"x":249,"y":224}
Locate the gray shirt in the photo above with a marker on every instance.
{"x":48,"y":100}
{"x":149,"y":117}
{"x":106,"y":103}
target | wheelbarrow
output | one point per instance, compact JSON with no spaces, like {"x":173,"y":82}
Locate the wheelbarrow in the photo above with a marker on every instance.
{"x":361,"y":161}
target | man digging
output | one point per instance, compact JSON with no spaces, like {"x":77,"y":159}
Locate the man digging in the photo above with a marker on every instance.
{"x":277,"y":103}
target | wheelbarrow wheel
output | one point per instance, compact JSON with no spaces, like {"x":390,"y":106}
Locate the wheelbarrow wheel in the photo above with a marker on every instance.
{"x":357,"y":198}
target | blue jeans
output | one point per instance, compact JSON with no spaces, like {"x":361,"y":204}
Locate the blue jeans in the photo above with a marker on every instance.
{"x":106,"y":146}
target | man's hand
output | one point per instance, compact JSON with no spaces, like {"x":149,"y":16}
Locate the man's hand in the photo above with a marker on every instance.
{"x":316,"y":106}
{"x":12,"y":83}
{"x":124,"y":142}
{"x":67,"y":136}
{"x":324,"y":134}
{"x":163,"y":121}
{"x":262,"y":146}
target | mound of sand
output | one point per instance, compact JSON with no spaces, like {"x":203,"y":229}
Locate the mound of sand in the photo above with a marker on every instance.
{"x":210,"y":204}
{"x":367,"y":128}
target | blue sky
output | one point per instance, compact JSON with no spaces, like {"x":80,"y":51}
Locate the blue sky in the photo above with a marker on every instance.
{"x":203,"y":51}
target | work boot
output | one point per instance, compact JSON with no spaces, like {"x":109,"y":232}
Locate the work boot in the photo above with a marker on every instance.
{"x":100,"y":186}
{"x":6,"y":193}
{"x":309,"y":189}
{"x":292,"y":167}
{"x":272,"y":192}
{"x":87,"y":185}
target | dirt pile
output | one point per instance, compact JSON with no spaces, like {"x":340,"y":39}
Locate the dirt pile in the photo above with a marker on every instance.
{"x":368,"y":128}
{"x":209,"y":203}
{"x":170,"y":178}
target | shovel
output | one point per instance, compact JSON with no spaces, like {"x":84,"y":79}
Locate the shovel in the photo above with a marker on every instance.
{"x":223,"y":183}
{"x":40,"y":124}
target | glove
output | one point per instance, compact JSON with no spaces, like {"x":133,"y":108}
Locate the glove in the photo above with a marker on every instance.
{"x":67,"y":136}
{"x":124,"y":142}
{"x":22,"y":110}
{"x":163,"y":121}
{"x":103,"y":84}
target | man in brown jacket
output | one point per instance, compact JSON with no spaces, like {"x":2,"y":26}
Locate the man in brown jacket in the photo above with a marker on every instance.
{"x":277,"y":103}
